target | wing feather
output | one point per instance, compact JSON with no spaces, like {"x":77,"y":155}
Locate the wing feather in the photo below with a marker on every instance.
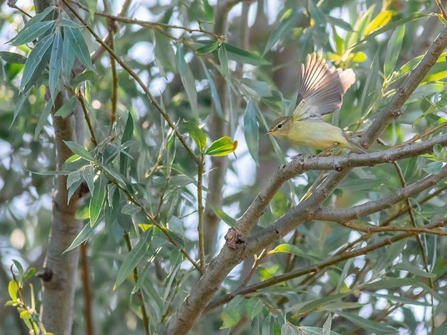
{"x":320,"y":88}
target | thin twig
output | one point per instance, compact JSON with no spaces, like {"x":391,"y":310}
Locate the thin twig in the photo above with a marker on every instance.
{"x":140,"y":83}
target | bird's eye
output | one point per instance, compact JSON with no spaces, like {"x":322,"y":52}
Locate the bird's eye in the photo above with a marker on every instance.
{"x":279,"y":126}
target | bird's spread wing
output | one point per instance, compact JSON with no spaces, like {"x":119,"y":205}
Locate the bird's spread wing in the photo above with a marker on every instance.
{"x":320,"y":88}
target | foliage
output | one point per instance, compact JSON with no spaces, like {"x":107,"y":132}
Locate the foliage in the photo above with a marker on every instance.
{"x":174,"y":105}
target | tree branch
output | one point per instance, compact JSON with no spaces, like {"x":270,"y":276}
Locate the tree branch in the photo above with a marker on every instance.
{"x":194,"y":304}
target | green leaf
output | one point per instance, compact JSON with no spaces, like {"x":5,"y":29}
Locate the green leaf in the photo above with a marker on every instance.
{"x":88,"y":174}
{"x":196,"y":134}
{"x":130,"y":209}
{"x":164,"y":54}
{"x":98,"y":198}
{"x":69,"y":58}
{"x":85,"y":233}
{"x":378,"y":22}
{"x":254,"y":307}
{"x":221,"y":147}
{"x":133,"y":258}
{"x":39,"y":17}
{"x":243,"y":56}
{"x":19,"y":268}
{"x":74,"y":180}
{"x":372,"y":327}
{"x":393,"y":50}
{"x":67,"y":108}
{"x":79,"y":150}
{"x":19,"y":105}
{"x":29,"y":274}
{"x":85,"y":76}
{"x":413,"y":270}
{"x":209,"y":47}
{"x":69,"y":23}
{"x":287,"y":22}
{"x":79,"y":47}
{"x":188,"y":81}
{"x":13,"y":58}
{"x":433,"y":167}
{"x":43,"y":119}
{"x":127,"y":136}
{"x":222,"y":54}
{"x":37,"y":61}
{"x":279,"y":204}
{"x":223,"y":216}
{"x":113,"y":202}
{"x":55,"y":65}
{"x":33,"y":32}
{"x":251,"y":130}
{"x":391,"y":26}
{"x":12,"y":290}
{"x":214,"y":91}
{"x":233,"y":312}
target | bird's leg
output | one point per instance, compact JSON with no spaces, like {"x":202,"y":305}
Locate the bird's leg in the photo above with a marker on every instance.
{"x":328,"y":151}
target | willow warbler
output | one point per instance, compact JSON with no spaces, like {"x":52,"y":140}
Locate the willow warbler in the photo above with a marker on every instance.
{"x":320,"y":92}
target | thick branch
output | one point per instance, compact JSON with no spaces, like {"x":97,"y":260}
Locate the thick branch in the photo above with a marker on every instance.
{"x":58,"y":290}
{"x":195,"y":303}
{"x":346,"y":214}
{"x":317,"y":267}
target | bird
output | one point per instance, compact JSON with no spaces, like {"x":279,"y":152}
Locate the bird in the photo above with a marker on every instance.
{"x":320,"y":92}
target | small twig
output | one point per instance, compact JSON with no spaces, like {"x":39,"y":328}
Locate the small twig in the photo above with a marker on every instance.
{"x":140,"y":291}
{"x":140,"y":83}
{"x":200,"y":210}
{"x":80,"y":97}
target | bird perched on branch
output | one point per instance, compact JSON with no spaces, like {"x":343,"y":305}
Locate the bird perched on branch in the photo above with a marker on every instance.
{"x":320,"y":92}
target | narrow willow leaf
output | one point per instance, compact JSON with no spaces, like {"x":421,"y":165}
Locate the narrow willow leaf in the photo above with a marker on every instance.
{"x":233,"y":312}
{"x":221,"y":147}
{"x":33,"y":32}
{"x":67,"y":108}
{"x":214,"y":92}
{"x":223,"y":216}
{"x":390,"y":26}
{"x":12,"y":57}
{"x":254,"y":307}
{"x":113,"y":202}
{"x":79,"y":150}
{"x":74,"y":181}
{"x":164,"y":53}
{"x":68,"y":57}
{"x":85,"y":233}
{"x":79,"y":47}
{"x":133,"y":258}
{"x":251,"y":130}
{"x":69,"y":23}
{"x":43,"y":119}
{"x":223,"y":60}
{"x":196,"y":134}
{"x":55,"y":65}
{"x":378,"y":22}
{"x":35,"y":20}
{"x":243,"y":56}
{"x":12,"y":290}
{"x":372,"y":327}
{"x":286,"y":24}
{"x":98,"y":198}
{"x":188,"y":81}
{"x":88,"y":174}
{"x":127,"y":136}
{"x":36,"y":61}
{"x":19,"y":104}
{"x":335,"y":21}
{"x":209,"y":47}
{"x":391,"y":56}
{"x":130,"y":209}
